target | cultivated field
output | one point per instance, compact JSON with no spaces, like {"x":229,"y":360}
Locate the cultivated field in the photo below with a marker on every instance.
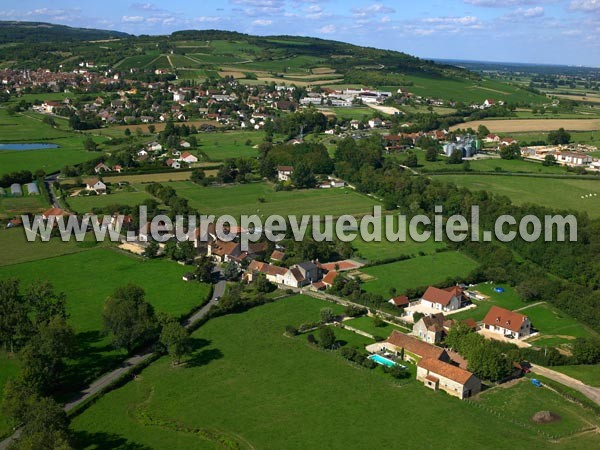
{"x":249,"y":385}
{"x":579,"y":98}
{"x":15,"y":206}
{"x":244,"y":199}
{"x":526,"y":125}
{"x":559,"y":193}
{"x":416,"y":272}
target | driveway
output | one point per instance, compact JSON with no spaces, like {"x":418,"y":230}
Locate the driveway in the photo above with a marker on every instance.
{"x":593,"y":393}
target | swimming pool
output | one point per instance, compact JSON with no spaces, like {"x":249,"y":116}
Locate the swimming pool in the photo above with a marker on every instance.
{"x":384,"y":361}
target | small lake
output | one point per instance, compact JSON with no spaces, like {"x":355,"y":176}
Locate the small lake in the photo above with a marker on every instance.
{"x":24,"y":147}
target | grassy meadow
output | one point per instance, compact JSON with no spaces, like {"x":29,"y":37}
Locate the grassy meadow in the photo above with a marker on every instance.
{"x":249,"y":385}
{"x":244,"y":199}
{"x":416,"y":272}
{"x":562,"y":194}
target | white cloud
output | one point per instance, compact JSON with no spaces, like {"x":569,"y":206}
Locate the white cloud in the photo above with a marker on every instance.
{"x":132,"y":19}
{"x":262,"y":22}
{"x":537,"y":11}
{"x":466,"y":20}
{"x":328,"y":29}
{"x":585,"y":5}
{"x":376,"y":8}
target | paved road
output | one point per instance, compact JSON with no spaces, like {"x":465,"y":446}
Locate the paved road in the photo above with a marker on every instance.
{"x":593,"y":393}
{"x":127,"y":366}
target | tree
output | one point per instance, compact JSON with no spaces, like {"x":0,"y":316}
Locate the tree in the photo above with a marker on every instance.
{"x":42,"y":359}
{"x":302,"y":177}
{"x":46,"y":303}
{"x":431,"y":154}
{"x":15,"y":323}
{"x":151,"y":250}
{"x":198,"y":176}
{"x":128,"y":317}
{"x":327,"y":315}
{"x":263,"y":285}
{"x":559,"y":137}
{"x":586,"y":350}
{"x":231,"y":271}
{"x":482,"y":131}
{"x":417,"y":316}
{"x":411,"y":160}
{"x":512,"y":151}
{"x":455,"y":158}
{"x":176,"y":340}
{"x":204,"y":270}
{"x":44,"y":422}
{"x":151,"y":129}
{"x":378,"y":321}
{"x":89,"y":145}
{"x":127,"y":132}
{"x":549,"y":160}
{"x":326,"y":337}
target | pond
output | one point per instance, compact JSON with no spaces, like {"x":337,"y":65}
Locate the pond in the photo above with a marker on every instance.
{"x":23,"y":147}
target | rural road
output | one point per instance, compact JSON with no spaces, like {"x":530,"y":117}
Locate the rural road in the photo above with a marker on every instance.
{"x":128,"y":365}
{"x":593,"y":393}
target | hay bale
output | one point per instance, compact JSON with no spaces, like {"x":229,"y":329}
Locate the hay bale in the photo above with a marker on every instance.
{"x":545,"y":417}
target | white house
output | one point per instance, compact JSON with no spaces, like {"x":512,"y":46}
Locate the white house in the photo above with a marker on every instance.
{"x":94,"y":184}
{"x":574,"y":159}
{"x":155,"y":146}
{"x":436,"y":374}
{"x":188,"y":158}
{"x":101,"y":167}
{"x":507,"y":323}
{"x":449,"y":299}
{"x":284,"y":173}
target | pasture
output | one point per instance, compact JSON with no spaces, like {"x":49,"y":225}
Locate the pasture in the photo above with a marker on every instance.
{"x":367,"y":325}
{"x":132,"y":196}
{"x":244,"y":199}
{"x":15,"y":206}
{"x":528,"y":125}
{"x":235,"y":144}
{"x":416,"y":272}
{"x":557,"y":193}
{"x":589,"y":374}
{"x":249,"y":385}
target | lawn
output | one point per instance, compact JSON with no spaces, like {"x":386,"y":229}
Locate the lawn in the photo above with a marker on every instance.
{"x":509,"y":299}
{"x":88,"y":278}
{"x":367,"y":325}
{"x":417,"y":272}
{"x":589,"y":374}
{"x":521,"y":401}
{"x":378,"y":251}
{"x":118,"y":197}
{"x":557,"y":193}
{"x":248,"y":384}
{"x":243,"y":199}
{"x":235,"y":144}
{"x":16,"y":248}
{"x":552,"y":322}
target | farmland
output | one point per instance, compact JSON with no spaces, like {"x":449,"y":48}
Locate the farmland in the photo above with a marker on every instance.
{"x":244,"y":199}
{"x":132,"y":196}
{"x":558,"y":193}
{"x":220,"y":146}
{"x":253,"y":377}
{"x":416,"y":272}
{"x":528,"y":125}
{"x":15,"y":206}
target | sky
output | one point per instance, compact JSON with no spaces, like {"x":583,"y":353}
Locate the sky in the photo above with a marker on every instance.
{"x":530,"y":31}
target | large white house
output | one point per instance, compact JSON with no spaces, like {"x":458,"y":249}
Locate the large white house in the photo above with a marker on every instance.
{"x":284,"y":173}
{"x":449,"y":299}
{"x":507,"y":323}
{"x":94,"y":184}
{"x":188,"y":158}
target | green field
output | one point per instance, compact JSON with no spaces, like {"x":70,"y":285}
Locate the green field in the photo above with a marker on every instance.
{"x":562,"y":194}
{"x":508,"y":299}
{"x":16,"y":249}
{"x":28,"y":128}
{"x":250,"y":385}
{"x":552,"y":322}
{"x":220,"y":146}
{"x":470,"y":91}
{"x":120,"y":197}
{"x":243,"y":199}
{"x":521,"y":401}
{"x":416,"y":272}
{"x":367,"y":325}
{"x":589,"y":374}
{"x":88,"y":278}
{"x":15,"y":206}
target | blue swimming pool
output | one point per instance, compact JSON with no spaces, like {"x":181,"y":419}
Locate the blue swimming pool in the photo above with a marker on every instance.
{"x":384,"y":361}
{"x":25,"y":147}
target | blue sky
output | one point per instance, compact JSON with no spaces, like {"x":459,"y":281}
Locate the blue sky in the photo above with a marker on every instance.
{"x":536,"y":31}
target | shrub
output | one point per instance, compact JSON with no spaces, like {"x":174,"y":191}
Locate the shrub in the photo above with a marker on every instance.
{"x":291,"y":330}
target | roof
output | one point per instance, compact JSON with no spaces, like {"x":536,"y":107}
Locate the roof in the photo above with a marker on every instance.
{"x":54,"y":212}
{"x":401,"y":300}
{"x":441,"y":296}
{"x":414,"y":345}
{"x":285,"y":168}
{"x":185,"y":155}
{"x":277,"y":255}
{"x":434,"y":322}
{"x":330,"y":277}
{"x":470,"y":322}
{"x":267,"y":269}
{"x":504,"y":318}
{"x":445,"y":370}
{"x":91,"y":181}
{"x":340,"y":265}
{"x":432,"y":378}
{"x":222,"y":248}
